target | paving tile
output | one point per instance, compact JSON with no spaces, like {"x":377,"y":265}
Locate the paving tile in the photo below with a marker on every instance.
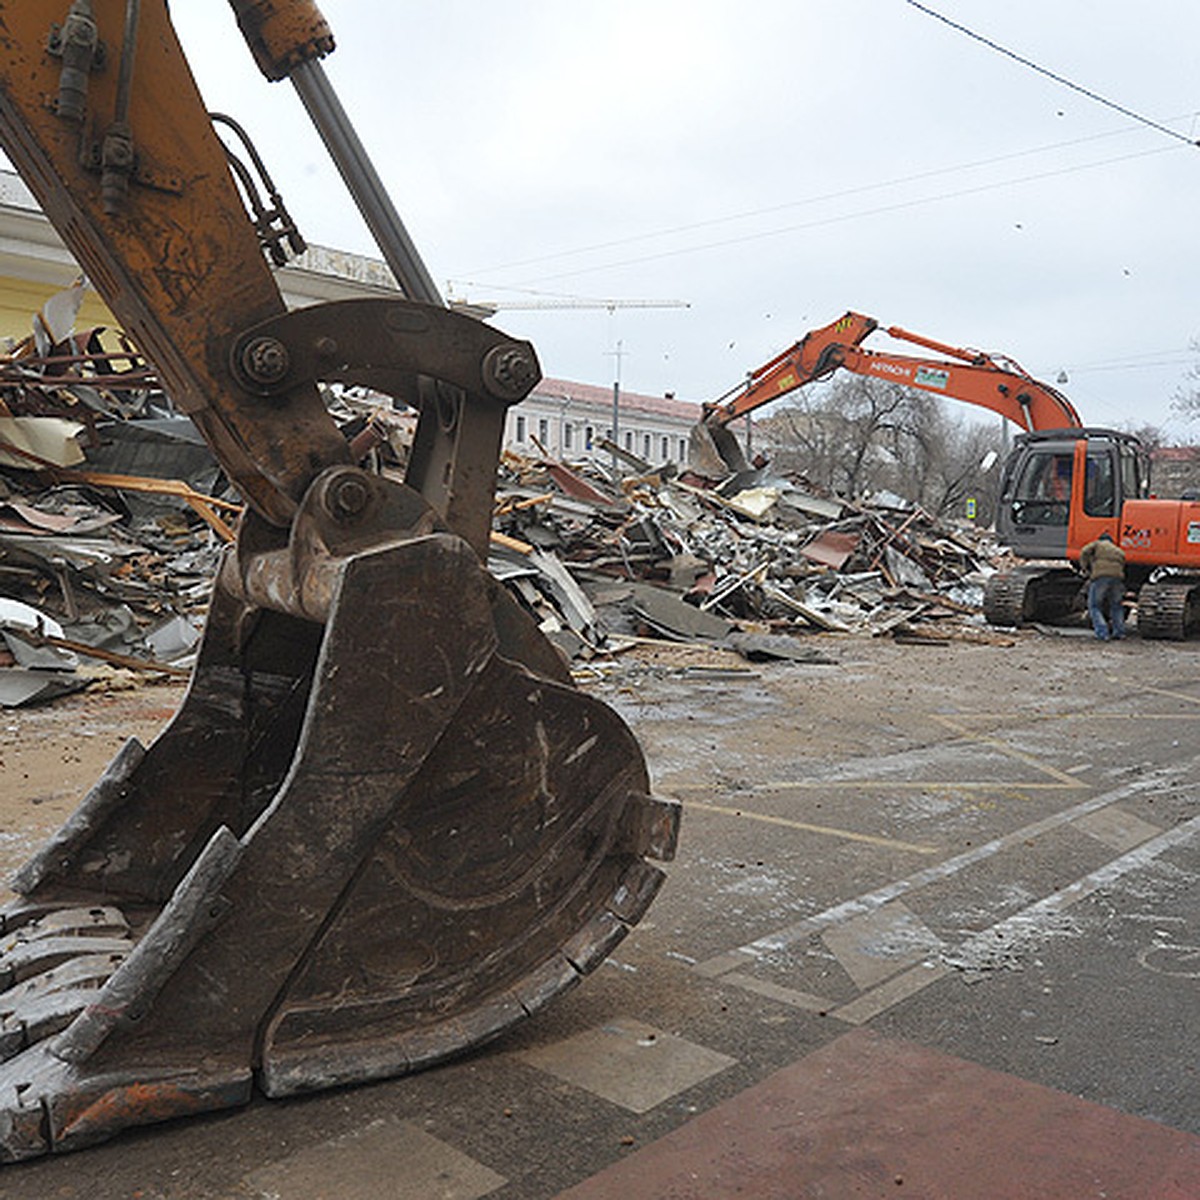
{"x":873,"y":947}
{"x":628,"y":1063}
{"x":386,"y":1158}
{"x":1116,"y":828}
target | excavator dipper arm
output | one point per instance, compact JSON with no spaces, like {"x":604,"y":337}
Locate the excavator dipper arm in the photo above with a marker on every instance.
{"x":383,"y":825}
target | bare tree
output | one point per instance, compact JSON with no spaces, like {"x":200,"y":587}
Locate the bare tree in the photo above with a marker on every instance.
{"x":1187,"y":396}
{"x":844,"y":437}
{"x":858,"y":435}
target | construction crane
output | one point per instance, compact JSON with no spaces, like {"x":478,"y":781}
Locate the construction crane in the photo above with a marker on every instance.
{"x":483,"y":309}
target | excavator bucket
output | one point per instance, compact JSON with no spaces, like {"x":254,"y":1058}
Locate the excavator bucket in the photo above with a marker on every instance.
{"x":714,"y":451}
{"x":383,"y":825}
{"x":365,"y":843}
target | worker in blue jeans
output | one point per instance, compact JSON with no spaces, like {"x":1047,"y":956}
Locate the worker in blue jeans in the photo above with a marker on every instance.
{"x":1103,"y":561}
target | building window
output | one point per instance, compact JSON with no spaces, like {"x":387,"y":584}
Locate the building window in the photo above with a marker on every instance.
{"x":543,"y":431}
{"x":666,"y":449}
{"x":568,"y":434}
{"x":521,"y":429}
{"x":646,"y":446}
{"x":589,"y":437}
{"x":683,"y":450}
{"x":629,"y":440}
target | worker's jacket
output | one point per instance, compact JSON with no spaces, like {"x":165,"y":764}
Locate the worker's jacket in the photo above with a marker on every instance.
{"x":1103,"y":559}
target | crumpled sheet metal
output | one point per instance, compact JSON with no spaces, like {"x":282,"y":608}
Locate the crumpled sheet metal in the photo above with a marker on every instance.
{"x":831,"y":549}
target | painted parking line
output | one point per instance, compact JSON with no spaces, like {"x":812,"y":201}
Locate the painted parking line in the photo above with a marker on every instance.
{"x":1170,"y":692}
{"x":782,"y":939}
{"x":1054,"y":779}
{"x":1005,"y":748}
{"x":847,"y":835}
{"x":1041,"y":718}
{"x":861,"y":942}
{"x":1030,"y":924}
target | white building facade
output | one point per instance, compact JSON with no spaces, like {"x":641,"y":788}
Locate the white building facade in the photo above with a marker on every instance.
{"x":573,"y":421}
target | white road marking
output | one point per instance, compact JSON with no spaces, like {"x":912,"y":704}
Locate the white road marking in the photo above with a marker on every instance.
{"x":790,"y":935}
{"x":1000,"y":943}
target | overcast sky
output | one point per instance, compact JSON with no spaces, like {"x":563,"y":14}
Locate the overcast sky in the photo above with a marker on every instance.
{"x":772,"y":163}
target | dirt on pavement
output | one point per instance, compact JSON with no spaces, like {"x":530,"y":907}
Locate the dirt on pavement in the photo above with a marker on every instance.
{"x":858,"y":700}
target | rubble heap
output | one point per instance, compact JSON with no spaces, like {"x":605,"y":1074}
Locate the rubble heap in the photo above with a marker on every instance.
{"x":665,"y":554}
{"x":114,"y":515}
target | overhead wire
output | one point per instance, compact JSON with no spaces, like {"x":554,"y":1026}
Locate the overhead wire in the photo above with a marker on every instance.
{"x":1060,"y":79}
{"x":808,"y":201}
{"x":863,"y":189}
{"x":1137,"y":362}
{"x":898,"y":206}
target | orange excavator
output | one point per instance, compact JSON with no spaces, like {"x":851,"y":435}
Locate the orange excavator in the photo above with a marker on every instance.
{"x":384,"y":824}
{"x":1062,"y":485}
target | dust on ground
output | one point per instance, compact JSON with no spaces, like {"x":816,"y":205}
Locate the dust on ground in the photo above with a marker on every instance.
{"x":862,"y":698}
{"x":51,"y":754}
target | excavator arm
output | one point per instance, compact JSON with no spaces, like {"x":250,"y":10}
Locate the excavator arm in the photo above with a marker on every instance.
{"x":968,"y":375}
{"x":384,"y":825}
{"x":109,"y":132}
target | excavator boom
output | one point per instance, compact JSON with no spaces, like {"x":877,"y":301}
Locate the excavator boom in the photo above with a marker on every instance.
{"x":968,"y":375}
{"x":384,"y":824}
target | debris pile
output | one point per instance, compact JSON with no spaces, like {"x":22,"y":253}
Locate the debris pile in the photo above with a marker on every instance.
{"x":114,"y":515}
{"x":665,"y":555}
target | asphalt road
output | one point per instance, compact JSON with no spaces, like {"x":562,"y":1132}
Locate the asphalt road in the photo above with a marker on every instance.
{"x":982,"y":857}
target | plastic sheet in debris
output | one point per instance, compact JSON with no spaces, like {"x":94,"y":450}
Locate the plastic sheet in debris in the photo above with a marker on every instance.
{"x":41,"y":672}
{"x":17,"y":618}
{"x":28,"y":441}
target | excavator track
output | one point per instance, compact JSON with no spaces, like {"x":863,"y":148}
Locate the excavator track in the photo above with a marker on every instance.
{"x":1030,"y":593}
{"x":1005,"y":598}
{"x":1169,"y":609}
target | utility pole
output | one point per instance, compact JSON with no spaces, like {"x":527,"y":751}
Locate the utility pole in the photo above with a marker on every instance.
{"x":618,"y":354}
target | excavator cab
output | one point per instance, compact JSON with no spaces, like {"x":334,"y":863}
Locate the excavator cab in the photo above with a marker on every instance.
{"x":1034,"y":506}
{"x":1059,"y":489}
{"x":1041,"y":514}
{"x":384,"y":825}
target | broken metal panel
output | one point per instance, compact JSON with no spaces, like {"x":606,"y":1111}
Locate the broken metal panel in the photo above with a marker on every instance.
{"x":904,"y":571}
{"x":676,"y":619}
{"x":168,"y":450}
{"x":576,"y":486}
{"x":831,"y":549}
{"x":19,"y":687}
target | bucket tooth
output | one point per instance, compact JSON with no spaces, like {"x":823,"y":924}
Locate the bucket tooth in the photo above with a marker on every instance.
{"x":636,"y":891}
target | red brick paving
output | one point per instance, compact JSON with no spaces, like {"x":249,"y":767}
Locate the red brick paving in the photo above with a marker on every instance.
{"x":870,"y":1117}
